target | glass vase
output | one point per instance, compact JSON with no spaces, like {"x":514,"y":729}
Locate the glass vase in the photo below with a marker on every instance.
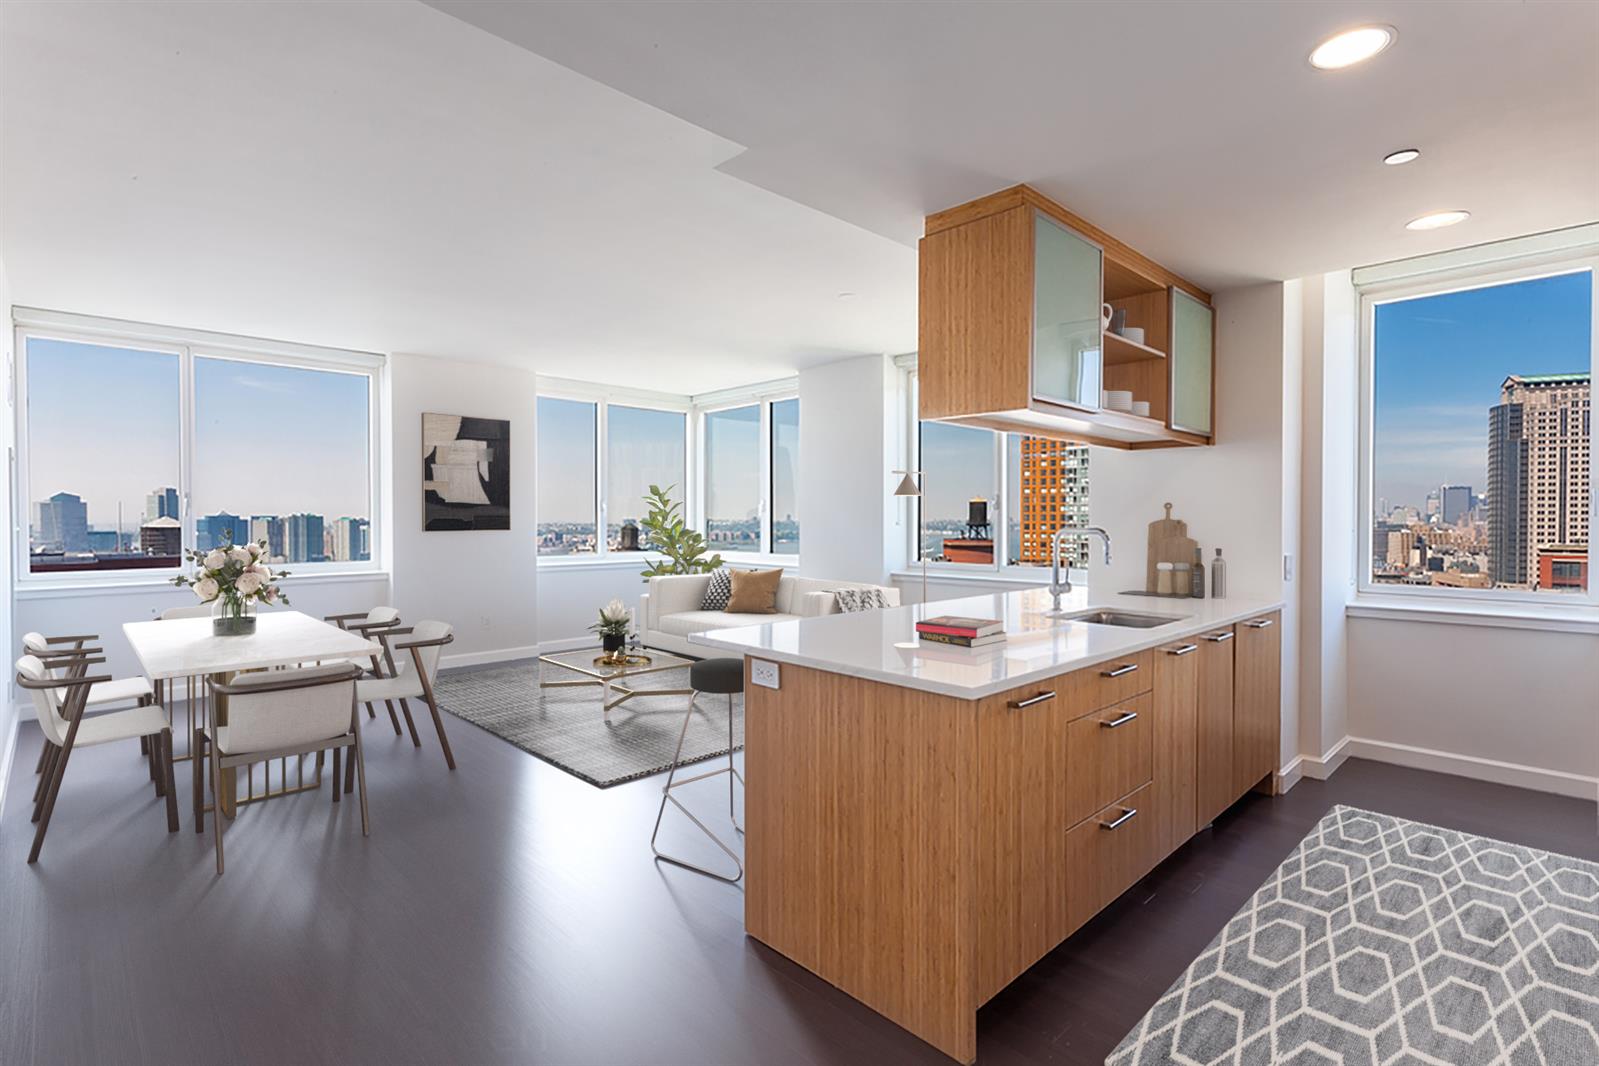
{"x":232,"y":617}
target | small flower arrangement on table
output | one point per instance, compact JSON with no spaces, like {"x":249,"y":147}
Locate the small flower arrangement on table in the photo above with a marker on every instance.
{"x":615,"y":621}
{"x":234,"y":579}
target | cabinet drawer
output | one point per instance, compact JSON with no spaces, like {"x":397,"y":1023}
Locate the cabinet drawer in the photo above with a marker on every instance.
{"x":1109,"y":753}
{"x":1108,"y":853}
{"x":1112,"y":681}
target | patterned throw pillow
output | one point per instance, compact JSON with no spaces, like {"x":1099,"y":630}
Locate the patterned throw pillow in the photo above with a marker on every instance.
{"x":719,"y":591}
{"x":850,"y":600}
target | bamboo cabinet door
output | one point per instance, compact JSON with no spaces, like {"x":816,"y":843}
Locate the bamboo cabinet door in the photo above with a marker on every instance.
{"x":1257,"y":699}
{"x":1215,"y":717}
{"x":1176,"y":711}
{"x":1021,"y":846}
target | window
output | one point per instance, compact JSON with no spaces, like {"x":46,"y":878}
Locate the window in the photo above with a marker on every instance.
{"x":729,"y":462}
{"x":568,"y":509}
{"x":137,"y":443}
{"x":311,"y":499}
{"x":1478,"y":469}
{"x":969,"y":523}
{"x":785,"y":532}
{"x":733,"y":479}
{"x":643,"y":447}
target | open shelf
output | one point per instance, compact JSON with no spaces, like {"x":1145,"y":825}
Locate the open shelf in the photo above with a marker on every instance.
{"x":1123,"y":280}
{"x":1118,"y":350}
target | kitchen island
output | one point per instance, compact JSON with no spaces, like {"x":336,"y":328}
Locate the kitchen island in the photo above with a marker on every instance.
{"x":924,"y":823}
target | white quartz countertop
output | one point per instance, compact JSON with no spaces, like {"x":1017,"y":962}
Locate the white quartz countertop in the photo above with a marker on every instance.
{"x":1038,"y":645}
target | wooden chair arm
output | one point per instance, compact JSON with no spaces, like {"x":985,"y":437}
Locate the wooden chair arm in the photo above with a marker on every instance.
{"x":79,"y":639}
{"x":435,"y":642}
{"x":343,"y":617}
{"x":63,"y":682}
{"x":67,"y":655}
{"x":370,"y":627}
{"x":234,"y":688}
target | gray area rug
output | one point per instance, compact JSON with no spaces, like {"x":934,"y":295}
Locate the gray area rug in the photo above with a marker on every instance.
{"x":565,"y":726}
{"x":1386,"y":941}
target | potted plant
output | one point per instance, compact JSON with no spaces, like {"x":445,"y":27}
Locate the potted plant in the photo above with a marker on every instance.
{"x":615,"y":621}
{"x":683,"y":548}
{"x":234,"y":580}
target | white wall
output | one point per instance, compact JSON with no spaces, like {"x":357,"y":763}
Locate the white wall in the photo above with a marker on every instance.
{"x":483,"y":582}
{"x":570,"y":597}
{"x":8,"y":710}
{"x":850,"y":525}
{"x":1242,"y":493}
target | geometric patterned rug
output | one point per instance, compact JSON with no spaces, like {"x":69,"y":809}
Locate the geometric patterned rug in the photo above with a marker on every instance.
{"x":566,"y":728}
{"x":1384,"y":941}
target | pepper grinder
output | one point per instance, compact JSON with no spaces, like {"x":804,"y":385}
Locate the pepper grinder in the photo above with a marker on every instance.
{"x":1218,"y":577}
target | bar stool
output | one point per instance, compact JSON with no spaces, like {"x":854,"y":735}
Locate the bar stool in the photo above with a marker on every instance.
{"x":725,"y":676}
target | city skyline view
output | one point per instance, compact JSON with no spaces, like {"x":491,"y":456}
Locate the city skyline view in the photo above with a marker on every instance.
{"x":1438,"y":365}
{"x":317,"y":461}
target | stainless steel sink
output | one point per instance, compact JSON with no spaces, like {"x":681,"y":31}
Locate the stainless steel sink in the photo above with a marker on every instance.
{"x":1104,"y":616}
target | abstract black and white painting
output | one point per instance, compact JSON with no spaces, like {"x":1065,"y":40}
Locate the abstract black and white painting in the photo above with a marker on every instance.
{"x":466,"y":473}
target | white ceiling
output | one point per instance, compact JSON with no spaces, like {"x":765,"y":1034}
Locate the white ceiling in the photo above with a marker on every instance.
{"x":679,"y":203}
{"x":1195,"y":130}
{"x":385,"y":177}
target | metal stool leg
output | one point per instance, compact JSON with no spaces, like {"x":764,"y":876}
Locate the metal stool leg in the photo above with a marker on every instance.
{"x":667,"y":797}
{"x":732,"y":771}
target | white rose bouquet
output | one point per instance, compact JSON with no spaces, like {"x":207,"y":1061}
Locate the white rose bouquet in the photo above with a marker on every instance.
{"x":236,"y":576}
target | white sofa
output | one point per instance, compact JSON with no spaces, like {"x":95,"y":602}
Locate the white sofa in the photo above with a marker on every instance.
{"x":670,"y":610}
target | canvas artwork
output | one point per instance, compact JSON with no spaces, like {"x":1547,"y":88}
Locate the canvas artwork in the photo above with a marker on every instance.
{"x":466,"y":473}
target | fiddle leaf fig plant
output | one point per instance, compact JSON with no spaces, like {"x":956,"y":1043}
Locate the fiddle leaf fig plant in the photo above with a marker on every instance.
{"x":683,"y":549}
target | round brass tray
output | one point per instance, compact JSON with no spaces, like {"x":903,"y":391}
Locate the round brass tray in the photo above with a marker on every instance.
{"x":624,"y":660}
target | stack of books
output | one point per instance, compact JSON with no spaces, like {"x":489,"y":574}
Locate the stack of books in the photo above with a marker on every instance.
{"x":963,"y":632}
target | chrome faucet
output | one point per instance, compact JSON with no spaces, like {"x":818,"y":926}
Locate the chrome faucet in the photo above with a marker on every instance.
{"x":1058,"y":585}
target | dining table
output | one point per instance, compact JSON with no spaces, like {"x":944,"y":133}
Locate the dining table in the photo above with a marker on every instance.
{"x":172,"y":649}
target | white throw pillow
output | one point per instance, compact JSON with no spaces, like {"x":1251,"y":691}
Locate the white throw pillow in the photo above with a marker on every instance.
{"x":719,"y":591}
{"x":851,"y":600}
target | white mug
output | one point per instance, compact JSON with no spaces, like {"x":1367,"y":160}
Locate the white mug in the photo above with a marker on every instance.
{"x":1104,"y":316}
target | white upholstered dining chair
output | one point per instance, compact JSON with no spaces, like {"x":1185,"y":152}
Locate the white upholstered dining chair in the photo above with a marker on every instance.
{"x":412,"y":674}
{"x":377,"y":620}
{"x":59,"y":702}
{"x":280,"y":714}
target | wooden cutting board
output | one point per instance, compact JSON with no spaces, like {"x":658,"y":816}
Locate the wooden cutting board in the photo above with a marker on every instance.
{"x":1169,"y":542}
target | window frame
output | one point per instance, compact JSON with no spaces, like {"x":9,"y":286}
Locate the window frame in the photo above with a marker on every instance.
{"x":187,"y":345}
{"x":1459,"y":271}
{"x":1001,"y":569}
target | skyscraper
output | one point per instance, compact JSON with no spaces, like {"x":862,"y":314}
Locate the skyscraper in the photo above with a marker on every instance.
{"x":302,"y":535}
{"x":1054,"y":486}
{"x":162,"y":536}
{"x":1537,"y":472}
{"x":61,"y":522}
{"x":216,"y":530}
{"x":270,"y":529}
{"x":162,"y":503}
{"x":348,"y":540}
{"x":1454,"y":502}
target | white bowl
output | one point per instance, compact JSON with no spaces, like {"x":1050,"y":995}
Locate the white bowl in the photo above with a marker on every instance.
{"x":1141,"y":408}
{"x":1118,"y":400}
{"x":1134,"y":334}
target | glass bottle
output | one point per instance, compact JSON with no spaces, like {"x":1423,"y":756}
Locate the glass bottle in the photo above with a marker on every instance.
{"x":1218,"y":577}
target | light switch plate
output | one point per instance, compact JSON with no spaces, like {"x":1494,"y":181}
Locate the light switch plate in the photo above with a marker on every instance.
{"x":1288,"y":568}
{"x":764,"y":674}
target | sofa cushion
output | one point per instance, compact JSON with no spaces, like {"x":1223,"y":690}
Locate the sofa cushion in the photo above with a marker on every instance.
{"x":686,"y":622}
{"x":859,"y":599}
{"x":755,"y":591}
{"x":718,"y":591}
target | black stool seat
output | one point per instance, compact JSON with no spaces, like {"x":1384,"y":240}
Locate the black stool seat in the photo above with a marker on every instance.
{"x":717,"y":675}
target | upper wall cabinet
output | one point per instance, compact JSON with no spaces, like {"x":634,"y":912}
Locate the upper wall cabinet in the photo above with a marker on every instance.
{"x":1013,"y":335}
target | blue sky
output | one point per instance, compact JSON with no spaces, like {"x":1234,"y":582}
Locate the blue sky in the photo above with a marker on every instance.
{"x":1438,"y":362}
{"x":103,"y":422}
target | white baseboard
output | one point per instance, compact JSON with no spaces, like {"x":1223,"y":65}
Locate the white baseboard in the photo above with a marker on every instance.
{"x":569,"y":644}
{"x":497,"y":655}
{"x":1559,"y":782}
{"x":1290,"y":775}
{"x":1320,"y":768}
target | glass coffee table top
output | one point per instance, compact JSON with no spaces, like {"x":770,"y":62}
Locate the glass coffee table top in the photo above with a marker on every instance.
{"x":607,"y":676}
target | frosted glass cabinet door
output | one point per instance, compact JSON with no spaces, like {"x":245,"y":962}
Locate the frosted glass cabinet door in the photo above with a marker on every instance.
{"x":1190,"y":357}
{"x":1066,"y":325}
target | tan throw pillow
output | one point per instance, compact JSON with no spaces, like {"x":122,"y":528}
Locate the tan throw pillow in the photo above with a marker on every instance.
{"x":754,"y":591}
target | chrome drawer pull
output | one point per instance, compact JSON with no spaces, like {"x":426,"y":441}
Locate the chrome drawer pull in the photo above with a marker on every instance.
{"x":1042,"y":697}
{"x":1182,"y":649}
{"x":1126,"y":816}
{"x":1123,"y":720}
{"x":1217,"y":638}
{"x":1258,"y":623}
{"x":1119,"y":671}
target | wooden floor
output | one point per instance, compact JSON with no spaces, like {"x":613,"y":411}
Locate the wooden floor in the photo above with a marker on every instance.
{"x":510,"y":913}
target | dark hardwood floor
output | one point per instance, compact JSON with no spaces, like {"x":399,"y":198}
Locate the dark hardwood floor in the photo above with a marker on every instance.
{"x":511,"y":913}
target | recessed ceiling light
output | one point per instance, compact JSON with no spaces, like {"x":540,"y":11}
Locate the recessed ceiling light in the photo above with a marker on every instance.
{"x":1351,"y":47}
{"x":1404,"y":155}
{"x":1438,"y":220}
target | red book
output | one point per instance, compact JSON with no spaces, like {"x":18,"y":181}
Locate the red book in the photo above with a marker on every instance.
{"x":956,"y":626}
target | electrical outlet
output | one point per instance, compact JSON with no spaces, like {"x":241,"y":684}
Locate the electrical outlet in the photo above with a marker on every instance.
{"x":764,"y":674}
{"x":1288,"y":568}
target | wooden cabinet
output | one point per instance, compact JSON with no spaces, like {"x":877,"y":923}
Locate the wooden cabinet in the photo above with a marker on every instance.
{"x":1214,"y":718}
{"x":1108,"y":852}
{"x":1108,"y":754}
{"x":1175,"y":736}
{"x":1257,"y":701}
{"x":1011,"y":334}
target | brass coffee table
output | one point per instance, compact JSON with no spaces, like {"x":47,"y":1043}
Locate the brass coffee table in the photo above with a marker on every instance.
{"x":612,"y":693}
